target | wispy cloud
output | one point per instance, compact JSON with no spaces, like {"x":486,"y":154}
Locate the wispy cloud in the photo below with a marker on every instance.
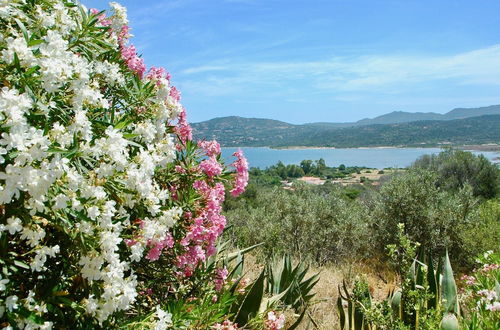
{"x":370,"y":73}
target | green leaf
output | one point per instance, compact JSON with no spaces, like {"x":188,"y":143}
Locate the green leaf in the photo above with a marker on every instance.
{"x":23,"y":29}
{"x":449,"y":288}
{"x":249,"y":308}
{"x":449,"y":322}
{"x":340,"y":308}
{"x":432,"y":282}
{"x":230,"y":257}
{"x":297,"y":322}
{"x":21,"y":264}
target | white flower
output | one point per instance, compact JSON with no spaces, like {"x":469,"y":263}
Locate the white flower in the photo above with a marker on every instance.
{"x":41,"y":257}
{"x":119,"y":17}
{"x":93,"y":212}
{"x":11,"y":303}
{"x":33,"y":235}
{"x":164,"y":319}
{"x":495,"y":307}
{"x":2,"y":283}
{"x":61,"y":201}
{"x":19,"y":47}
{"x":14,"y":225}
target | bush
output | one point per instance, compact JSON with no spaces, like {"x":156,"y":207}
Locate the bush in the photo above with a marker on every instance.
{"x":109,"y":209}
{"x":320,"y":226}
{"x":433,"y":217}
{"x":457,"y":168}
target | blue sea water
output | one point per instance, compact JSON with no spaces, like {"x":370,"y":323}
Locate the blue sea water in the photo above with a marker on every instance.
{"x":369,"y":157}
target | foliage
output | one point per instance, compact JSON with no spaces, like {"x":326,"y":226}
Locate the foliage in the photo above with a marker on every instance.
{"x":318,"y":224}
{"x":427,"y":298}
{"x":109,"y":211}
{"x":481,"y":293}
{"x":434,"y":217}
{"x":456,"y":168}
{"x":289,"y":280}
{"x":274,"y":174}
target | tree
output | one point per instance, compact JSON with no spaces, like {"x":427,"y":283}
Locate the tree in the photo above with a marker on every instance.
{"x":456,"y":168}
{"x":307,"y":166}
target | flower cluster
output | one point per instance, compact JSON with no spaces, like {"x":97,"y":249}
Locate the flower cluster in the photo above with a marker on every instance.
{"x":101,"y":187}
{"x":481,"y":293}
{"x":274,"y":322}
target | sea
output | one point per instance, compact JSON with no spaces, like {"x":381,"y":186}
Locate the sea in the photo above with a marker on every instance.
{"x":369,"y":157}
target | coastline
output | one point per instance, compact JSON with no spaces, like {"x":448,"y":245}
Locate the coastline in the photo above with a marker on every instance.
{"x":475,"y":147}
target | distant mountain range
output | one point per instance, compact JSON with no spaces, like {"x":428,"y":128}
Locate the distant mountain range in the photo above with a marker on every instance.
{"x":460,"y":126}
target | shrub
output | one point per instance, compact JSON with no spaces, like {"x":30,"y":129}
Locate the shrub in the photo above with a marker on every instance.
{"x":433,"y":217}
{"x":457,"y":168}
{"x":323,"y":226}
{"x":107,"y":204}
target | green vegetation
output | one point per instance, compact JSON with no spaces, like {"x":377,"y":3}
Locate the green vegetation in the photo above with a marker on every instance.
{"x":331,"y":223}
{"x":274,"y":174}
{"x":458,"y":168}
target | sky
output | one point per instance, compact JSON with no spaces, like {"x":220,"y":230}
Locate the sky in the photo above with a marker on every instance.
{"x":321,"y":60}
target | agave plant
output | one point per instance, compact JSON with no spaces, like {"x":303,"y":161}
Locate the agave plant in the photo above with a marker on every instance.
{"x":278,"y":283}
{"x":424,"y":291}
{"x":284,"y":277}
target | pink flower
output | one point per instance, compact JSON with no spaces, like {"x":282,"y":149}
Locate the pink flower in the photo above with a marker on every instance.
{"x":495,"y":307}
{"x":469,"y":280}
{"x":226,"y":325}
{"x":134,"y":62}
{"x":183,"y":129}
{"x":241,"y":179}
{"x":210,"y":167}
{"x":175,"y":94}
{"x":155,"y":252}
{"x":220,"y":278}
{"x":211,"y":148}
{"x":101,"y":18}
{"x":123,"y":35}
{"x":273,"y":322}
{"x":489,"y":267}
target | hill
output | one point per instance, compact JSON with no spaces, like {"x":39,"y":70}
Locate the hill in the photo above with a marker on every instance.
{"x":237,"y":131}
{"x":405,"y":117}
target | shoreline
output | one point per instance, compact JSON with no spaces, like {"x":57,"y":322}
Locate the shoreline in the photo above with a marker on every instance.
{"x":480,"y":147}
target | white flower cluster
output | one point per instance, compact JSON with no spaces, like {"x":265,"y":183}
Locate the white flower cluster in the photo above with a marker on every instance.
{"x":164,"y":319}
{"x":58,"y":161}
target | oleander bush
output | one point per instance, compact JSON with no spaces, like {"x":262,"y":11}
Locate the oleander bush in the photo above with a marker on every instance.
{"x":109,"y":211}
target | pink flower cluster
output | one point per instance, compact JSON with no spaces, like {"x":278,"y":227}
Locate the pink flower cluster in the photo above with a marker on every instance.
{"x":183,"y":129}
{"x":157,"y":74}
{"x":133,"y":61}
{"x":175,"y":94}
{"x":226,"y":325}
{"x":211,"y":148}
{"x":273,"y":322}
{"x":469,"y":280}
{"x":103,"y":21}
{"x":241,"y":179}
{"x":210,"y":167}
{"x":155,"y":252}
{"x":205,"y":228}
{"x":220,"y":278}
{"x":489,"y":267}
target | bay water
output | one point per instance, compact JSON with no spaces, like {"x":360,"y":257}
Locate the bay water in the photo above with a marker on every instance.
{"x":370,"y":157}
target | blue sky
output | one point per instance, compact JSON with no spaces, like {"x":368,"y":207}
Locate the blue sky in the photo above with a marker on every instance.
{"x":321,"y":60}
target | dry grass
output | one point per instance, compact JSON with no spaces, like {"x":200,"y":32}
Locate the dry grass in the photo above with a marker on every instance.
{"x":324,"y":312}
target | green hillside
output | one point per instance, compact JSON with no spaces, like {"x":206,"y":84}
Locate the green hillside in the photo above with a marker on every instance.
{"x":237,"y":131}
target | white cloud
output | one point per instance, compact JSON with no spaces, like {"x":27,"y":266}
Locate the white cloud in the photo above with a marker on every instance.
{"x":371,"y":73}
